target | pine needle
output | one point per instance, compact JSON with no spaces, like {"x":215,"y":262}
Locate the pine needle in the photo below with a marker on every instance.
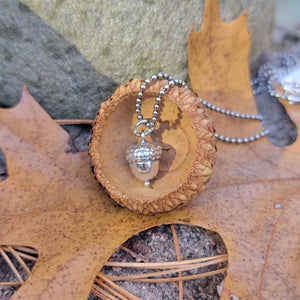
{"x":74,"y":122}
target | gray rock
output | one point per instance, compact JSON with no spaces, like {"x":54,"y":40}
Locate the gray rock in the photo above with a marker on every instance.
{"x":31,"y":53}
{"x":138,"y":38}
{"x":72,"y":54}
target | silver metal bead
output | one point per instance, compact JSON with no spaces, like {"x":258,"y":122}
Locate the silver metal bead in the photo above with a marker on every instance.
{"x":242,"y":116}
{"x":221,"y":137}
{"x":154,"y":77}
{"x":143,"y":86}
{"x":237,"y":115}
{"x":154,"y":119}
{"x":233,"y":140}
{"x":165,"y":75}
{"x":217,"y":109}
{"x":240,"y":140}
{"x":179,"y":81}
{"x":208,"y":105}
{"x":232,"y":113}
{"x":246,"y":140}
{"x":166,"y":86}
{"x":159,"y":75}
{"x":152,"y":124}
{"x":138,"y":100}
{"x":138,"y":110}
{"x":252,"y":138}
{"x":147,"y":183}
{"x":253,"y":117}
{"x":138,"y":105}
{"x":176,"y":81}
{"x":203,"y":102}
{"x":227,"y":139}
{"x":248,"y":116}
{"x":147,"y":81}
{"x":258,"y":136}
{"x":170,"y":77}
{"x":161,"y":92}
{"x":213,"y":107}
{"x":158,"y":99}
{"x":156,"y":106}
{"x":216,"y":135}
{"x":171,"y":82}
{"x":155,"y":112}
{"x":222,"y":111}
{"x":140,"y":94}
{"x":227,"y":112}
{"x":266,"y":132}
{"x":140,"y":117}
{"x":183,"y":83}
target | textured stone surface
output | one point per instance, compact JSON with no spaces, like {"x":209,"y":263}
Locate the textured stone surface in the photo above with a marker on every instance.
{"x":71,"y":54}
{"x":57,"y":75}
{"x":139,"y":38}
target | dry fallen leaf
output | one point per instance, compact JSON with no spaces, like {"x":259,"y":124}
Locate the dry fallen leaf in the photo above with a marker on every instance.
{"x":250,"y":179}
{"x":50,"y":200}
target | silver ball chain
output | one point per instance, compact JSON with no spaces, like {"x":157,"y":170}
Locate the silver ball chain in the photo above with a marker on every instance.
{"x":150,"y":123}
{"x":227,"y":112}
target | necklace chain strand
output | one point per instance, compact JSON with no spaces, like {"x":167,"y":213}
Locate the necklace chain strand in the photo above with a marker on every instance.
{"x":150,"y":124}
{"x":231,"y":113}
{"x":259,"y":84}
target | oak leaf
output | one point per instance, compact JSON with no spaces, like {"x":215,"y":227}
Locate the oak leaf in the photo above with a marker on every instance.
{"x":50,"y":200}
{"x":250,"y":180}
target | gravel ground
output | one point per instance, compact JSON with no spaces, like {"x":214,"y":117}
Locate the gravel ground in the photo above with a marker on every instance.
{"x":6,"y":275}
{"x":157,"y":245}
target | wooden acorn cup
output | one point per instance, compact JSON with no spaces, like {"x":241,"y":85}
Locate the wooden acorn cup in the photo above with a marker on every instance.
{"x":184,"y":133}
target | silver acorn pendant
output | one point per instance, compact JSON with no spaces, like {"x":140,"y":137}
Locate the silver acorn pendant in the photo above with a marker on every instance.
{"x":144,"y":158}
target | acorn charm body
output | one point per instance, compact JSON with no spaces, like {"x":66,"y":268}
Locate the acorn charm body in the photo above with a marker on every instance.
{"x":144,"y":158}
